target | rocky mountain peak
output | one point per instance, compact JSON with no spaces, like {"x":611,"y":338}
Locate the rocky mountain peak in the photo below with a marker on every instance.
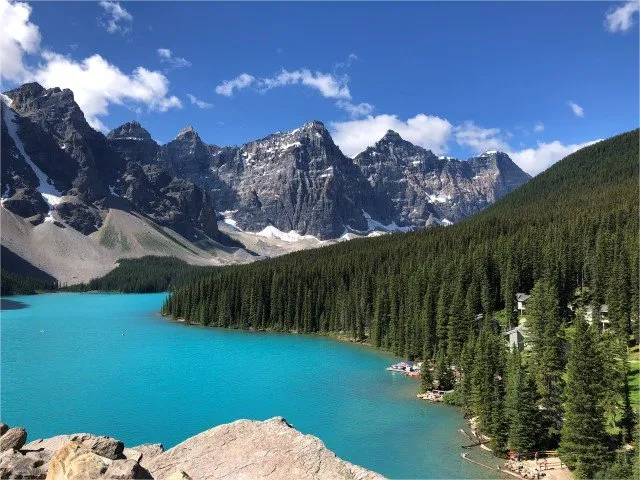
{"x":130,"y":131}
{"x":188,"y":133}
{"x":499,"y":162}
{"x":314,"y":125}
{"x":391,"y":136}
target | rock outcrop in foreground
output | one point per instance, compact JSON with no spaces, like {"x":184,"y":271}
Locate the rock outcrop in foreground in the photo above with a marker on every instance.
{"x":244,"y":449}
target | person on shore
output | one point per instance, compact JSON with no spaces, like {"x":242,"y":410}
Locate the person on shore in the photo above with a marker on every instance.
{"x":535,"y":456}
{"x":518,"y":457}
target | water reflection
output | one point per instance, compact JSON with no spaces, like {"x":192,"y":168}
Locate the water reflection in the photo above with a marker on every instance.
{"x":6,"y":304}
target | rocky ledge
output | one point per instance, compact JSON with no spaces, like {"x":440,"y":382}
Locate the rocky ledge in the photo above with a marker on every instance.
{"x":244,"y":449}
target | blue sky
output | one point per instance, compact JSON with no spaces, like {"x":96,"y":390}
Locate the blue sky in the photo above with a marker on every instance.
{"x":535,"y":79}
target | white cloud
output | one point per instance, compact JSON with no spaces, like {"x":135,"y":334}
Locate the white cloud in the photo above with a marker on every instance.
{"x":96,"y":83}
{"x":578,"y":111}
{"x":166,"y":56}
{"x":198,"y":103}
{"x":355,"y":110}
{"x":354,"y":136}
{"x":164,"y":53}
{"x":535,"y":160}
{"x":531,"y":160}
{"x":329,"y":86}
{"x":479,"y":139}
{"x":539,"y":127}
{"x":116,"y":18}
{"x":241,"y":81}
{"x":622,"y":18}
{"x":18,"y":36}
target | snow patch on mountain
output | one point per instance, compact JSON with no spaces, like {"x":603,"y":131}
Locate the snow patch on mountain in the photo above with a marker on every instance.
{"x":228,"y":219}
{"x":50,"y":194}
{"x":291,"y":236}
{"x":439,"y":198}
{"x":374,"y":225}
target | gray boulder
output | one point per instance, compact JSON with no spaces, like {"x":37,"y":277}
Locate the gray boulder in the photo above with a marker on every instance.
{"x":248,"y":449}
{"x":74,"y":461}
{"x":104,"y":446}
{"x":125,"y":469}
{"x":13,"y":438}
{"x":16,"y":464}
{"x":144,"y":453}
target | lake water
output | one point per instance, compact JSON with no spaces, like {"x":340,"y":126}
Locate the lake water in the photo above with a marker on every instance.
{"x":67,"y":367}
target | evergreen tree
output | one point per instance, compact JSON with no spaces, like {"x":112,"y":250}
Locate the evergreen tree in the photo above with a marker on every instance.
{"x":443,"y":371}
{"x":524,"y":416}
{"x":636,"y":458}
{"x":499,"y":431}
{"x":620,"y":469}
{"x":426,"y":379}
{"x":547,"y":337}
{"x":583,"y":442}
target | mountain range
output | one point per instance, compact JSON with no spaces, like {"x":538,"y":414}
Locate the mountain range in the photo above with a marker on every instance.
{"x":74,"y":201}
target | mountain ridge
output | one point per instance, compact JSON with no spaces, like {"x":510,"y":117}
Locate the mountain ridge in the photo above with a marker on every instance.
{"x":287,"y":191}
{"x":324,"y":193}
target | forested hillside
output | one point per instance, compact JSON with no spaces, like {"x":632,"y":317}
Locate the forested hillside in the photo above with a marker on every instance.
{"x":145,"y":275}
{"x":569,"y":237}
{"x":19,"y":277}
{"x":16,"y":284}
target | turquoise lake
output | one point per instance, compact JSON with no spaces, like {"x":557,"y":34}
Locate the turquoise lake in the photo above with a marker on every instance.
{"x":67,"y":367}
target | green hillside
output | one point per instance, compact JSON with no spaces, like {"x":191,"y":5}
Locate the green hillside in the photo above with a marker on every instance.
{"x":144,"y":275}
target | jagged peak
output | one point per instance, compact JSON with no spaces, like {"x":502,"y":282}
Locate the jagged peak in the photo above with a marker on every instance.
{"x":187,"y":133}
{"x":489,"y":153}
{"x":131,"y":130}
{"x":391,"y":135}
{"x":33,"y":91}
{"x":314,"y":125}
{"x":32,"y":87}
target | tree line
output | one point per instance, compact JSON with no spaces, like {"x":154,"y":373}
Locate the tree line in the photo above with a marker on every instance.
{"x":148,"y":274}
{"x":12,"y":283}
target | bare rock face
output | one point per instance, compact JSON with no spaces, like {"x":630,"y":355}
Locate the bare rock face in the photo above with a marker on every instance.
{"x":248,"y":449}
{"x":179,"y":475}
{"x":74,"y":461}
{"x":125,"y":469}
{"x":422,"y":188}
{"x":144,"y":452}
{"x":16,"y":464}
{"x":46,"y":138}
{"x":300,"y":180}
{"x":244,"y":449}
{"x":13,"y":438}
{"x":104,"y":446}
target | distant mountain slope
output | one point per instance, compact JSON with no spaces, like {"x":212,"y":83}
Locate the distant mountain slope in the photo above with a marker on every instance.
{"x":72,"y":205}
{"x":300,"y":181}
{"x":424,"y":189}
